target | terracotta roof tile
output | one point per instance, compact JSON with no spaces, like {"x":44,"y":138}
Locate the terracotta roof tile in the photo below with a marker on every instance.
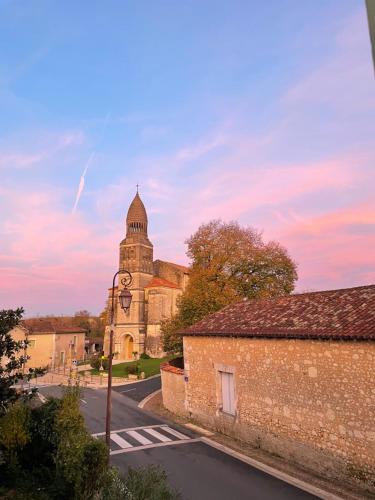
{"x":156,"y":281}
{"x":334,"y":314}
{"x":45,"y":326}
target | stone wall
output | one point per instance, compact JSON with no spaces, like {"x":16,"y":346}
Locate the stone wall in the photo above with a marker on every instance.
{"x":171,"y":272}
{"x":173,"y":385}
{"x":312,"y":402}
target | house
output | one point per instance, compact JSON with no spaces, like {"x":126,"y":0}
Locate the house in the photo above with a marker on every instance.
{"x":293,"y":375}
{"x":49,"y":344}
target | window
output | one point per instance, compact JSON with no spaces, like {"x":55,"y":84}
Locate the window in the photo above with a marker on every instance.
{"x":227,"y":392}
{"x":74,"y":344}
{"x":62,"y":357}
{"x":31,"y":344}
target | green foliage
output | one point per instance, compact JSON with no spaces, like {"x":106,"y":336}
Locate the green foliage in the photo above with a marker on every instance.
{"x":149,"y":483}
{"x":93,"y":325}
{"x":229,"y":263}
{"x":12,"y":361}
{"x":49,"y":455}
{"x":96,"y":362}
{"x":14,"y":432}
{"x":38,"y":456}
{"x":172,"y":339}
{"x":113,"y":487}
{"x":144,"y":356}
{"x":134,"y":369}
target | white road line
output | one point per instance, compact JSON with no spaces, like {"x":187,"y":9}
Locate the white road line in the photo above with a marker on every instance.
{"x":155,"y":445}
{"x":129,"y":429}
{"x":138,"y":437}
{"x":174,"y":432}
{"x":302,"y":485}
{"x":157,"y":435}
{"x":83,"y":401}
{"x":120,"y":441}
{"x":128,"y":390}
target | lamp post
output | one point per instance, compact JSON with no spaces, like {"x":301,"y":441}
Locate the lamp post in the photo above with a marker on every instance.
{"x":125,"y":298}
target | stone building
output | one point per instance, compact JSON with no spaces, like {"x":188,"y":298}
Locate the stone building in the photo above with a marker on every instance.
{"x":292,"y":375}
{"x":155,"y":288}
{"x":50,"y":345}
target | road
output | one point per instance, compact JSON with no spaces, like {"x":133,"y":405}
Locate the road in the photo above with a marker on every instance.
{"x":197,"y":470}
{"x":139,"y":390}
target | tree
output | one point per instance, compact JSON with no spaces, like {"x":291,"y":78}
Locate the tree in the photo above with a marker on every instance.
{"x":93,"y":325}
{"x":11,"y":361}
{"x":228,"y":263}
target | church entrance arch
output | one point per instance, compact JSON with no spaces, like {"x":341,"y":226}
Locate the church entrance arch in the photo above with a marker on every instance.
{"x":127,"y":347}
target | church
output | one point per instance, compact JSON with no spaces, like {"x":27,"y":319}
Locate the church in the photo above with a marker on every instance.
{"x":155,"y":288}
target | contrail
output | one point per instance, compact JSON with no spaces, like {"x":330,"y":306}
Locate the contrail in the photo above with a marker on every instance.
{"x":91,"y":157}
{"x":82,"y":182}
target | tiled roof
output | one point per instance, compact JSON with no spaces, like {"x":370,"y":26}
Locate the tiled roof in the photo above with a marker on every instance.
{"x":334,"y":314}
{"x":137,"y":211}
{"x":44,"y":326}
{"x":156,"y":282}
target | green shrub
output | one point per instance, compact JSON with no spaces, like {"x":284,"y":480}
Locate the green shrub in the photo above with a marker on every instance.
{"x":14,"y":433}
{"x":144,"y":356}
{"x":149,"y":483}
{"x":132,"y":370}
{"x":38,"y":454}
{"x":96,"y":362}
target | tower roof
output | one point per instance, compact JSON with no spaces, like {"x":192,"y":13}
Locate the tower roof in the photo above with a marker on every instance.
{"x":137,"y":211}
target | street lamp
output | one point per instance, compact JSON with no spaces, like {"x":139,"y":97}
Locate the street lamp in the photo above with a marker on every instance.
{"x":125,"y":298}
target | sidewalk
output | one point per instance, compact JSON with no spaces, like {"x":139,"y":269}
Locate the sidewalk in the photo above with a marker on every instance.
{"x":85,"y":380}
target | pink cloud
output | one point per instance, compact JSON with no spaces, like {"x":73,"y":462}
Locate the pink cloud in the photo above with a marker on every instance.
{"x":53,"y":261}
{"x":334,"y":248}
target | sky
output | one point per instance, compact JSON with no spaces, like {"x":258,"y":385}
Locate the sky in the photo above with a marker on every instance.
{"x":257,"y":111}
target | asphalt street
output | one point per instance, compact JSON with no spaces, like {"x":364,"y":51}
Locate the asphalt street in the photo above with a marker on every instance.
{"x":197,"y":470}
{"x":139,"y":390}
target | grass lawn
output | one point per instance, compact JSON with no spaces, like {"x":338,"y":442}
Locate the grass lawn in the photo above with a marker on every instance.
{"x":149,"y":366}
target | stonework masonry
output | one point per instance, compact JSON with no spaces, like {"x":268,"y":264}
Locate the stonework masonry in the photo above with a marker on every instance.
{"x":309,"y":401}
{"x":155,"y":288}
{"x":173,"y":384}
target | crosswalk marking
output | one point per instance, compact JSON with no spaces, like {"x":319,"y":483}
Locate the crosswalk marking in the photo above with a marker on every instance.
{"x":157,"y":435}
{"x":174,"y":432}
{"x":156,"y":445}
{"x":141,"y":439}
{"x":120,"y":441}
{"x":97,"y":434}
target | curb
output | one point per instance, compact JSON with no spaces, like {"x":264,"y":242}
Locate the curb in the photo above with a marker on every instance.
{"x":147,"y":398}
{"x":298,"y":483}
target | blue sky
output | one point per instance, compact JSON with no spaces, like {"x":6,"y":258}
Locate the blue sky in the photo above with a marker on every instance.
{"x":261,"y":112}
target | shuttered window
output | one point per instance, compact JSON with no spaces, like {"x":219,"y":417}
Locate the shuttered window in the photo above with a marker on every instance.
{"x":227,"y":392}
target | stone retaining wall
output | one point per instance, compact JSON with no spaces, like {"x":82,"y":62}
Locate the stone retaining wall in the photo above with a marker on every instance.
{"x":173,"y":388}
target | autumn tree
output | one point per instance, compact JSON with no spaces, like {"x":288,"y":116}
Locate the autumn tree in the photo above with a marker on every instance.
{"x":92,"y":324}
{"x":228,"y":263}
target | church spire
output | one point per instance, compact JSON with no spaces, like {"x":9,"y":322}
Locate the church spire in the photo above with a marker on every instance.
{"x":136,"y":220}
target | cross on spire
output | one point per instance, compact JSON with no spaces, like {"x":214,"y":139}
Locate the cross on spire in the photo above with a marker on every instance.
{"x":137,"y":187}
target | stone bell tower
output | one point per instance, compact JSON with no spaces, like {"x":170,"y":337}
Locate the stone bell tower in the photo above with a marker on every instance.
{"x":136,"y":256}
